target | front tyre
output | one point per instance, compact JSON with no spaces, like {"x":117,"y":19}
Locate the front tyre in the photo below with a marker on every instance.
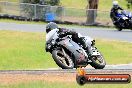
{"x":65,"y":62}
{"x":118,"y":26}
{"x":98,"y":62}
{"x":119,"y":29}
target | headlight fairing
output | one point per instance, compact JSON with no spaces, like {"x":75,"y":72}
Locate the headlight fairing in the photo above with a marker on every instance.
{"x":125,"y":18}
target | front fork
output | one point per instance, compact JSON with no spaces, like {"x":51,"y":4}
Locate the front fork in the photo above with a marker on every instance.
{"x":64,"y":52}
{"x":92,"y":52}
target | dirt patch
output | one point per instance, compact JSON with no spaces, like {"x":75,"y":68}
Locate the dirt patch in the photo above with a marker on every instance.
{"x":24,"y":78}
{"x":48,"y":77}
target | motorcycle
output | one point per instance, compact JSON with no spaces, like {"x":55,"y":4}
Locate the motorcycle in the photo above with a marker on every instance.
{"x":124,"y":20}
{"x":68,"y":54}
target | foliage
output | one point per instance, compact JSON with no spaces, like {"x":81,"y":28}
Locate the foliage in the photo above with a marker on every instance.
{"x":54,"y":2}
{"x":46,"y":2}
{"x":129,"y":4}
{"x":30,"y":1}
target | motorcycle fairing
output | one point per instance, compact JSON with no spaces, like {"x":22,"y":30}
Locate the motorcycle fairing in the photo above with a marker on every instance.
{"x":76,"y":50}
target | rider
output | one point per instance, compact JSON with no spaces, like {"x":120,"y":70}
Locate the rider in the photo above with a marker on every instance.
{"x":63,"y":32}
{"x":114,"y":11}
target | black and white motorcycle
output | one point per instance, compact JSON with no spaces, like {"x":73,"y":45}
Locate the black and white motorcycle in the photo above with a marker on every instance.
{"x":68,"y":55}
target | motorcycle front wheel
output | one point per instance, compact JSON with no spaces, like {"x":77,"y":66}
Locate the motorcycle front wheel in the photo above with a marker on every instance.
{"x":65,"y":62}
{"x":119,"y":29}
{"x":98,"y":62}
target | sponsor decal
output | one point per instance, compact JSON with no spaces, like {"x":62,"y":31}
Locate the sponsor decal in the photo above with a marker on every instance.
{"x":82,"y":78}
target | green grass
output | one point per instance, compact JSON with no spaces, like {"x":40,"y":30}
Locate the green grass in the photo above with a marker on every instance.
{"x":21,"y":50}
{"x":43,"y":84}
{"x":104,"y":5}
{"x":21,"y":22}
{"x":81,"y":4}
{"x":41,"y":23}
{"x":44,"y":23}
{"x":115,"y":52}
{"x":11,"y":0}
{"x":75,"y":12}
{"x":25,"y":50}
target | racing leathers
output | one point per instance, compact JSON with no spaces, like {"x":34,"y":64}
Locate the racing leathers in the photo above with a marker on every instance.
{"x":76,"y":37}
{"x":114,"y":12}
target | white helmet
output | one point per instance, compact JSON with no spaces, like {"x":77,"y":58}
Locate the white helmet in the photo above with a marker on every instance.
{"x":115,"y":2}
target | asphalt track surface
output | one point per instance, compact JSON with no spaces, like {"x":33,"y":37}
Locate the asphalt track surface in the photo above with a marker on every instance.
{"x":103,"y":33}
{"x":38,"y":72}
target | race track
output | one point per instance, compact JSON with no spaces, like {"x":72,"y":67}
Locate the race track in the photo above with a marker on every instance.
{"x":104,"y":33}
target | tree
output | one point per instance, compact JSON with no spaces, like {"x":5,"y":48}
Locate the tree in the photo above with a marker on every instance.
{"x":91,"y":11}
{"x":129,"y":4}
{"x":30,"y":1}
{"x":47,"y":2}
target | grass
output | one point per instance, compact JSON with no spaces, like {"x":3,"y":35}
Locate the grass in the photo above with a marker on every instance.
{"x":44,"y":23}
{"x":81,"y":4}
{"x":21,"y":22}
{"x":115,"y":52}
{"x":41,"y":23}
{"x":21,"y":50}
{"x":43,"y":84}
{"x":25,"y":50}
{"x":105,"y":5}
{"x":11,"y":0}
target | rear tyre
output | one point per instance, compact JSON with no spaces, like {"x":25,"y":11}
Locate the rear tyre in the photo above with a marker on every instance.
{"x":61,"y":60}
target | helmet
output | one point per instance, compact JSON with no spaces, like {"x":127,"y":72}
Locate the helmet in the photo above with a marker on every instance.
{"x":50,"y":26}
{"x":115,"y":3}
